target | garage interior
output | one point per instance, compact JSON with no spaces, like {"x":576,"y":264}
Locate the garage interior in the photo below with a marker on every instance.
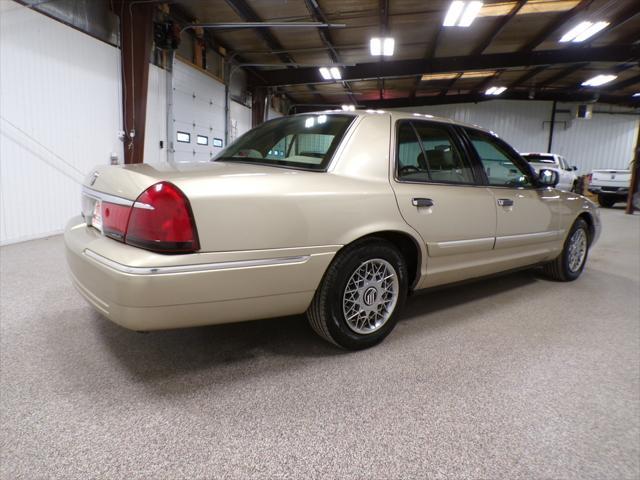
{"x":512,"y":376}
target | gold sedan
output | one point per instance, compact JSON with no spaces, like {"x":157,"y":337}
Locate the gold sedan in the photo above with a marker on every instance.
{"x":336,"y":214}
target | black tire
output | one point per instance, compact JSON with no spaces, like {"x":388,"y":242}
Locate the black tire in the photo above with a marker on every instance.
{"x":325,"y":313}
{"x":559,"y":268}
{"x":606,"y":201}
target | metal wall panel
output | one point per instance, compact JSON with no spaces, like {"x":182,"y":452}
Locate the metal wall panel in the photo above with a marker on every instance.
{"x":60,"y":113}
{"x":604,"y":141}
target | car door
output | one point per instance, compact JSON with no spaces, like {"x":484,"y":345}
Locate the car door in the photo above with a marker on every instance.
{"x":528,"y":216}
{"x":440,"y":194}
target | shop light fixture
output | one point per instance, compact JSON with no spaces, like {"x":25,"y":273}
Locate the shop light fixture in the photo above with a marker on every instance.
{"x":332,"y":73}
{"x":495,"y":90}
{"x":382,"y":46}
{"x":599,"y":80}
{"x":462,"y":14}
{"x":636,"y":95}
{"x":348,"y":108}
{"x":583,"y":31}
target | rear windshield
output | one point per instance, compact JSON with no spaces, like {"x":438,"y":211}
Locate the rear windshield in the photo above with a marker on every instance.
{"x":539,"y":158}
{"x":301,"y":141}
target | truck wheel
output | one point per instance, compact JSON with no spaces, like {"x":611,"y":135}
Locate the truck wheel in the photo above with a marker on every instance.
{"x":606,"y":201}
{"x":569,"y":264}
{"x":362,"y":291}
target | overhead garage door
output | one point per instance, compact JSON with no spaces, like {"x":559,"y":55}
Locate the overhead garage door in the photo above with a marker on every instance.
{"x":198,"y":114}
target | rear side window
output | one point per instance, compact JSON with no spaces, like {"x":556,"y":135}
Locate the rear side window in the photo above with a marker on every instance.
{"x":428,"y":153}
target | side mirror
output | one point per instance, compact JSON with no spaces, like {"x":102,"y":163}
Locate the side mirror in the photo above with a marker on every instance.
{"x":548,"y":178}
{"x":573,"y":168}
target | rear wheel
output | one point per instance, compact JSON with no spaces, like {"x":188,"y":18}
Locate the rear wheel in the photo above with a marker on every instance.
{"x":569,"y":264}
{"x":365,"y":286}
{"x":606,"y":201}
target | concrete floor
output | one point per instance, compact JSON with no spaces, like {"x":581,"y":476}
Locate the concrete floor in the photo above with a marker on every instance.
{"x":512,"y":377}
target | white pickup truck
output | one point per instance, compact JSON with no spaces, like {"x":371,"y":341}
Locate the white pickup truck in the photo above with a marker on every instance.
{"x":610,"y":185}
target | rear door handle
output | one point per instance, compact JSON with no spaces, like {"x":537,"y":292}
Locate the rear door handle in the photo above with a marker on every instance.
{"x":505,"y":202}
{"x":422,"y":202}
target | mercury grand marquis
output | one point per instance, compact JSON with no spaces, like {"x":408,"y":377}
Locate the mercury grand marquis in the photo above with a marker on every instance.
{"x":339,"y":215}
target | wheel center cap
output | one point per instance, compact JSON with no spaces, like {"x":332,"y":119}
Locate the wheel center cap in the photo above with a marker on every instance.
{"x":370,"y":296}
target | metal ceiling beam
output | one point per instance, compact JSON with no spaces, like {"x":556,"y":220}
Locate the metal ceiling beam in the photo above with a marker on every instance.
{"x":528,"y":75}
{"x":484,"y":44}
{"x":428,"y":56}
{"x":623,"y":84}
{"x":406,"y":68}
{"x":318,"y":15}
{"x":562,"y":74}
{"x":241,"y":25}
{"x":555,"y":25}
{"x":508,"y":95}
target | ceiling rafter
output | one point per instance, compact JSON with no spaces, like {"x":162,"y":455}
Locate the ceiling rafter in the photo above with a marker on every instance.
{"x":407,"y":68}
{"x":502,"y":22}
{"x":528,"y":75}
{"x":555,"y":25}
{"x":325,"y":36}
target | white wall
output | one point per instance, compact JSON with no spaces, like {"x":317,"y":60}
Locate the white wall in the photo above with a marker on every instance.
{"x":605,"y":141}
{"x":156,"y":119}
{"x":240,"y":120}
{"x":60,"y":112}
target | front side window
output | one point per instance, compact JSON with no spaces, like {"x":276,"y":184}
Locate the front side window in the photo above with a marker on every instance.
{"x":498,"y":162}
{"x":302,"y":141}
{"x":427,"y":153}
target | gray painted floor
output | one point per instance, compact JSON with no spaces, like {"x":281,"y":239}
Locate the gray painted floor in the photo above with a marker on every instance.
{"x":514,"y":377}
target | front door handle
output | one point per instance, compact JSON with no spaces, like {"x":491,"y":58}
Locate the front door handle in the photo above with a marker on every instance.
{"x":422,"y":202}
{"x":505,"y":202}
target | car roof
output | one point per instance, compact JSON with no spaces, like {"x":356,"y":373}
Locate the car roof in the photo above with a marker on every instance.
{"x":400,"y":115}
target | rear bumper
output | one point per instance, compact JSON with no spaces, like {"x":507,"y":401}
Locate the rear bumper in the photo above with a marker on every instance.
{"x":141,"y":290}
{"x":614,"y":191}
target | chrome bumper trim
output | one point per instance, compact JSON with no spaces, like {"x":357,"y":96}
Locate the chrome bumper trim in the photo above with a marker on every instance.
{"x":199,"y":267}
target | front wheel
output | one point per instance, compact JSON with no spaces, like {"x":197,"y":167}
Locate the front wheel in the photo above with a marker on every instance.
{"x":356,"y":304}
{"x":570,"y":263}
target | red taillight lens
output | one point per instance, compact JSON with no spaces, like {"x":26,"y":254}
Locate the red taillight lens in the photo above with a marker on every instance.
{"x":161,"y":220}
{"x":114,"y":220}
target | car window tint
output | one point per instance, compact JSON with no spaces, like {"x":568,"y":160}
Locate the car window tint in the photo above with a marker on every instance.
{"x":440,"y":155}
{"x":430,"y":156}
{"x":408,"y":152}
{"x":498,"y":162}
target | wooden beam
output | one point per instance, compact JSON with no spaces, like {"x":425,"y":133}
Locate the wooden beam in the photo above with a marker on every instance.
{"x":136,"y":35}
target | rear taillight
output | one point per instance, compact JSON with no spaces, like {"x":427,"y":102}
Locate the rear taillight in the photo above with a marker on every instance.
{"x":161,"y":220}
{"x":114,"y":220}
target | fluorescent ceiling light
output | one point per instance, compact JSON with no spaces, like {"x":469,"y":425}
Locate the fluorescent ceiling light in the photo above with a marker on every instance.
{"x":388,"y":46}
{"x":348,"y":108}
{"x":470,"y":13}
{"x":591,"y":31}
{"x":309,"y":122}
{"x":636,"y":94}
{"x":332,"y":73}
{"x":438,"y":76}
{"x":382,"y":46}
{"x":454,"y":12}
{"x":582,"y":31}
{"x":599,"y":80}
{"x":478,"y":74}
{"x":495,"y":90}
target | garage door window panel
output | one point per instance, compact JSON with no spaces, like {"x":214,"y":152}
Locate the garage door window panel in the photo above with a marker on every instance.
{"x":427,"y":152}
